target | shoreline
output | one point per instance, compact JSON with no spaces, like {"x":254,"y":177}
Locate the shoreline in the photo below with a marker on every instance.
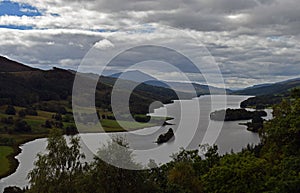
{"x":13,"y":161}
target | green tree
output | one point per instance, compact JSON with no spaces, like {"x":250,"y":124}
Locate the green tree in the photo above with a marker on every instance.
{"x":22,"y":113}
{"x":112,"y":179}
{"x":48,"y":124}
{"x":184,"y":178}
{"x":236,"y":173}
{"x":281,"y":147}
{"x":22,"y":126}
{"x":10,"y":110}
{"x":61,"y":169}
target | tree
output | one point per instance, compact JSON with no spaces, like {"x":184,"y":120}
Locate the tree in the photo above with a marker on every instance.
{"x":22,"y":126}
{"x":10,"y":110}
{"x":48,"y":124}
{"x":71,"y":130}
{"x":59,"y":170}
{"x":184,"y":178}
{"x":281,"y":147}
{"x":112,"y":179}
{"x":241,"y":172}
{"x":57,"y":117}
{"x":31,"y":111}
{"x":22,"y":113}
{"x":295,"y":93}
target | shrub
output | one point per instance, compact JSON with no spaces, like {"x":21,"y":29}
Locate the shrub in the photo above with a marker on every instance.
{"x":10,"y":110}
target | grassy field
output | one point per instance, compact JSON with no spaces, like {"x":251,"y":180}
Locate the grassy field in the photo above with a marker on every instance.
{"x":8,"y":164}
{"x":5,"y":166}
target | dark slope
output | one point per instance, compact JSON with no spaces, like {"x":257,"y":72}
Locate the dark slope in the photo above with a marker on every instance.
{"x":269,"y":94}
{"x":138,"y":76}
{"x":24,"y":86}
{"x":7,"y":65}
{"x":280,"y":88}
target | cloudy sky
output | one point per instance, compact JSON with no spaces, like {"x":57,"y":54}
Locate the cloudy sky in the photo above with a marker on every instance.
{"x":251,"y":41}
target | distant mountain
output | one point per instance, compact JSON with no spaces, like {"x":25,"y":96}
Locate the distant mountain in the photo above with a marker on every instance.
{"x":138,"y":76}
{"x":134,"y":75}
{"x":260,"y":85}
{"x":279,"y":88}
{"x":7,"y":65}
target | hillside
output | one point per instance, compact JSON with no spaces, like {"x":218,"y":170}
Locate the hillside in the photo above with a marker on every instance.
{"x":7,"y":65}
{"x":279,"y":88}
{"x":267,"y":95}
{"x":138,"y":76}
{"x":23,"y":86}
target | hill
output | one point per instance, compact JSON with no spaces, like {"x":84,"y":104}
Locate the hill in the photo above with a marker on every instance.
{"x":267,"y":95}
{"x":23,"y":86}
{"x":138,"y":76}
{"x":7,"y":65}
{"x":279,"y":88}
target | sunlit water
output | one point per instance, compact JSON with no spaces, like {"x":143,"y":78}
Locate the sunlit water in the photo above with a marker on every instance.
{"x":230,"y":137}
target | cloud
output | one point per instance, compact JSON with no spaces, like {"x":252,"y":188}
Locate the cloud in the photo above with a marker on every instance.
{"x":103,"y":44}
{"x":249,"y":39}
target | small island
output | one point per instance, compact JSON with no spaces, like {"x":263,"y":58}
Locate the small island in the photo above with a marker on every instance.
{"x":236,"y":115}
{"x":163,"y":138}
{"x":255,"y":125}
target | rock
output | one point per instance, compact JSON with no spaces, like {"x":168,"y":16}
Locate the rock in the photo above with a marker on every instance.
{"x":163,"y":138}
{"x":13,"y":189}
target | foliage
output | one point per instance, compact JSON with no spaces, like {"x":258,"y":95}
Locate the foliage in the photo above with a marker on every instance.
{"x":10,"y":110}
{"x":22,"y":126}
{"x":22,"y":113}
{"x":236,"y":173}
{"x":31,"y":111}
{"x":60,"y":169}
{"x":112,"y":178}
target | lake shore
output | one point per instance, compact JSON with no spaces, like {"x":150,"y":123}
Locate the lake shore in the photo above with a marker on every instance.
{"x":23,"y":139}
{"x":13,"y":162}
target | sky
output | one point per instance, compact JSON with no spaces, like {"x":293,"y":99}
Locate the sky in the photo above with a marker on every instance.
{"x":250,"y":41}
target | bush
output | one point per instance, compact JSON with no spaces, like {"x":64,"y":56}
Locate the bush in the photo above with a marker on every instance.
{"x":22,"y":113}
{"x":31,"y":111}
{"x":68,"y":118}
{"x":71,"y":130}
{"x":8,"y":120}
{"x":57,"y":117}
{"x":111,"y":117}
{"x":10,"y":110}
{"x":22,"y":126}
{"x":48,"y":124}
{"x":7,"y":141}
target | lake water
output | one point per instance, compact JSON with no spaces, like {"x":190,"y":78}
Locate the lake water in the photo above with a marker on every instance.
{"x":192,"y":127}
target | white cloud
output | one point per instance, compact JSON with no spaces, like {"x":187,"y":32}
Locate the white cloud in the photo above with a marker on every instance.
{"x":103,"y":44}
{"x":249,"y":39}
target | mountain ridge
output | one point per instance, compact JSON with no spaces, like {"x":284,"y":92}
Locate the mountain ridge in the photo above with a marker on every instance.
{"x":278,"y":88}
{"x":201,"y":89}
{"x":8,"y":65}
